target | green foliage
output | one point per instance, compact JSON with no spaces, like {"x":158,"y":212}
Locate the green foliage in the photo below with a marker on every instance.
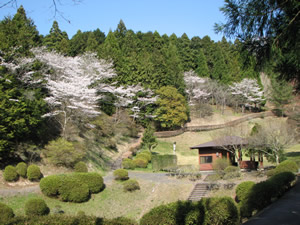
{"x":6,"y":213}
{"x":221,"y":210}
{"x":21,"y":169}
{"x":243,"y":189}
{"x":181,"y":212}
{"x":140,"y":162}
{"x":230,"y":169}
{"x":131,"y":185}
{"x":121,"y":174}
{"x":128,"y":164}
{"x":231,"y":175}
{"x":36,"y":207}
{"x":160,"y":162}
{"x":93,"y":180}
{"x":287,"y":166}
{"x":50,"y":185}
{"x":61,"y":152}
{"x":282,"y":181}
{"x":34,"y":173}
{"x":10,"y":173}
{"x":172,"y":111}
{"x":81,"y":167}
{"x":149,"y":139}
{"x":220,"y":164}
{"x":119,"y":221}
{"x":143,"y":156}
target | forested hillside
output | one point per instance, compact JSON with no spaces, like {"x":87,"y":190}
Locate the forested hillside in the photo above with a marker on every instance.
{"x":85,"y":88}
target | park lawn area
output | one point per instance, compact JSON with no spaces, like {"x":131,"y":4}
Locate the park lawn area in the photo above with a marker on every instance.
{"x":113,"y":201}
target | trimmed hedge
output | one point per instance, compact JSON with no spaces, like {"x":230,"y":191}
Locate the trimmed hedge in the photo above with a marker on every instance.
{"x":10,"y":174}
{"x":34,"y":173}
{"x":181,"y":212}
{"x":22,"y":169}
{"x":221,"y":210}
{"x":121,"y":174}
{"x":69,"y":220}
{"x":243,"y":189}
{"x":74,"y":187}
{"x":6,"y":213}
{"x":285,"y":166}
{"x":128,"y":164}
{"x":36,"y":207}
{"x":160,"y":162}
{"x":80,"y":167}
{"x":131,"y":185}
{"x":140,"y":162}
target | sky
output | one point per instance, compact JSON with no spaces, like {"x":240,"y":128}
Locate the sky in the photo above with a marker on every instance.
{"x":193,"y":17}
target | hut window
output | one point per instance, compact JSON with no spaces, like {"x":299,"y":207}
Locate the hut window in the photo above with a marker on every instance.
{"x":205,"y":159}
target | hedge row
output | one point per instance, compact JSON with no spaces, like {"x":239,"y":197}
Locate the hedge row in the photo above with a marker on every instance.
{"x":254,"y":197}
{"x":160,"y":162}
{"x":32,"y":172}
{"x":207,"y":211}
{"x":74,"y":187}
{"x":285,"y":166}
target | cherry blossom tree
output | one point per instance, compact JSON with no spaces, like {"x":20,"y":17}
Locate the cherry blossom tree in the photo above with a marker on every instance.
{"x":247,"y":93}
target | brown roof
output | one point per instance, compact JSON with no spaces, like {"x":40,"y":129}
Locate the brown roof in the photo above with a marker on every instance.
{"x":224,"y":141}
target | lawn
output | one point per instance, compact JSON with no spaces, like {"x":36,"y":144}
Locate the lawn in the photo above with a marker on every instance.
{"x":113,"y":201}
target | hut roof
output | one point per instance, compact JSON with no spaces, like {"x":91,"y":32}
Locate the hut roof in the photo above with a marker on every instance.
{"x":224,"y":141}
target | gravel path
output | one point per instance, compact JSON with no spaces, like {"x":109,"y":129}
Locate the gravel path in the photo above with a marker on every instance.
{"x":5,"y":192}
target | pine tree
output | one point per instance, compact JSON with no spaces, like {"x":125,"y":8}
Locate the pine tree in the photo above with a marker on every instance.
{"x":202,"y":68}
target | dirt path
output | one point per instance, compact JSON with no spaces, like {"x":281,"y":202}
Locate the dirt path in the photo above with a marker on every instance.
{"x":6,"y":192}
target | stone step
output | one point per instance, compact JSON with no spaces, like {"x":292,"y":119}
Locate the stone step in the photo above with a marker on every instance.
{"x":198,"y":192}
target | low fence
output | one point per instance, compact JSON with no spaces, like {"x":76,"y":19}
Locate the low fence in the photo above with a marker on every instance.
{"x":163,"y":134}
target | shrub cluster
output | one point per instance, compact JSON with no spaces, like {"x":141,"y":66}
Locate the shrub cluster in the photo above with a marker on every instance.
{"x":34,"y":173}
{"x":131,"y":185}
{"x":142,"y":159}
{"x":36,"y":207}
{"x":80,"y":167}
{"x":257,"y":196}
{"x":207,"y":211}
{"x":69,"y":220}
{"x":22,"y":169}
{"x":74,"y":187}
{"x":121,"y":174}
{"x":128,"y":164}
{"x":6,"y":213}
{"x":10,"y":173}
{"x":140,"y":162}
{"x":285,"y":166}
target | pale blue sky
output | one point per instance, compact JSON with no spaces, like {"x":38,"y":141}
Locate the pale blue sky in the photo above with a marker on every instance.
{"x":193,"y":17}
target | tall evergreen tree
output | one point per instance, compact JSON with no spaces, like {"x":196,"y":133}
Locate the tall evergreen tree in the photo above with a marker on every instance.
{"x":202,"y":68}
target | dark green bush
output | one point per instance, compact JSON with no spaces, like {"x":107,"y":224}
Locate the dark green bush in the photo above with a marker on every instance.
{"x":6,"y":213}
{"x":181,"y":212}
{"x":221,"y":210}
{"x":271,"y":172}
{"x":119,"y":221}
{"x":131,"y":185}
{"x":72,"y":190}
{"x":128,"y":164}
{"x":231,"y":169}
{"x":243,"y":189}
{"x":93,"y":180}
{"x":34,"y":173}
{"x":287,"y":166}
{"x":22,"y":169}
{"x":140,"y":162}
{"x":81,"y":167}
{"x":36,"y":207}
{"x":282,"y":182}
{"x":10,"y":173}
{"x":50,"y":185}
{"x":121,"y":174}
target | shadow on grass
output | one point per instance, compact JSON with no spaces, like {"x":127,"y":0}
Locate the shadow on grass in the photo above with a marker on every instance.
{"x":292,"y":154}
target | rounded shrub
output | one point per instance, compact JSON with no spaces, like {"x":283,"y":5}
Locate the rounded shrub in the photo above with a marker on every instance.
{"x":243,"y":189}
{"x":282,"y":182}
{"x":121,"y":174}
{"x":144,"y":156}
{"x":80,"y":167}
{"x":147,"y":153}
{"x":131,"y":185}
{"x":140,"y":162}
{"x":181,"y":212}
{"x":231,"y":169}
{"x":10,"y":173}
{"x":36,"y":207}
{"x":221,"y":210}
{"x":50,"y":185}
{"x":287,"y":166}
{"x":93,"y":180}
{"x":128,"y":164}
{"x":6,"y":213}
{"x":72,"y":189}
{"x":22,"y":169}
{"x":34,"y":173}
